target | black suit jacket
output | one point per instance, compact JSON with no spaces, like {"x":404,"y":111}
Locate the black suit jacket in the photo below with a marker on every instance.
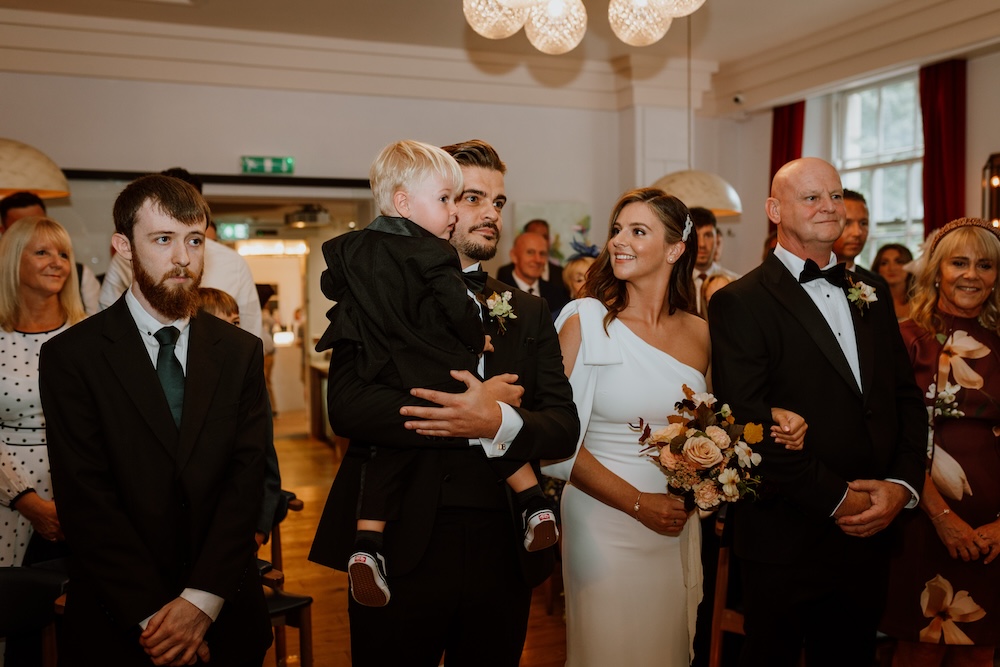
{"x":449,"y":471}
{"x":552,"y":290}
{"x":772,"y":347}
{"x":147,"y":510}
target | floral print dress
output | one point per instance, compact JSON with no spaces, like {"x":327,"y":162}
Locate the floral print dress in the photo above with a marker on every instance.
{"x":933,"y":597}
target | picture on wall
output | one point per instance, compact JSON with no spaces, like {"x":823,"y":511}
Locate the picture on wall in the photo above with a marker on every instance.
{"x":569,"y":227}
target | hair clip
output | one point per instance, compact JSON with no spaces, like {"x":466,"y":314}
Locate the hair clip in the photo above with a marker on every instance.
{"x":688,"y":225}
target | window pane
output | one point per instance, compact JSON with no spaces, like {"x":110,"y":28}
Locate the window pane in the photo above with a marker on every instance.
{"x":899,"y":102}
{"x":894,"y":194}
{"x":861,"y":125}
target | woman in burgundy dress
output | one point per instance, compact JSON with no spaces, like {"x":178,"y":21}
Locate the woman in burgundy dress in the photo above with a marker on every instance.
{"x":944,"y":593}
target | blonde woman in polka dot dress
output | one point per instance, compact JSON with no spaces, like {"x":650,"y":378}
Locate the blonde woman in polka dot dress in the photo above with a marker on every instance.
{"x":39,"y":298}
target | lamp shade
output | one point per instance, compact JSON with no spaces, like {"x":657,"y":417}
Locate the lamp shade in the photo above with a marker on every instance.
{"x":700,"y":188}
{"x":25,"y":168}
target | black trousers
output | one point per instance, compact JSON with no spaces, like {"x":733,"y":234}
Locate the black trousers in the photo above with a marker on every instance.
{"x":466,"y":600}
{"x":832,"y":612}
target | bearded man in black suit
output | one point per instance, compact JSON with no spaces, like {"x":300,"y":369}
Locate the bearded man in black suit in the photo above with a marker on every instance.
{"x":813,"y":547}
{"x":157,"y":421}
{"x":460,"y":577}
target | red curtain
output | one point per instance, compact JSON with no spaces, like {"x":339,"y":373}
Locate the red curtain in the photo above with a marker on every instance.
{"x":786,"y":138}
{"x":942,"y":103}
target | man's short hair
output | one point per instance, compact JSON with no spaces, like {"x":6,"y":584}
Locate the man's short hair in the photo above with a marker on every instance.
{"x":851,"y":195}
{"x":404,"y":164}
{"x":21,"y":199}
{"x":174,"y":197}
{"x":476,"y":153}
{"x":702,"y":217}
{"x":537,"y":222}
{"x":218,"y":303}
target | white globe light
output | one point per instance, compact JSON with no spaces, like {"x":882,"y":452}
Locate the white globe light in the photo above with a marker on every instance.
{"x":556,"y":26}
{"x":639,"y":22}
{"x":491,"y":19}
{"x":678,"y":8}
{"x":519,"y":4}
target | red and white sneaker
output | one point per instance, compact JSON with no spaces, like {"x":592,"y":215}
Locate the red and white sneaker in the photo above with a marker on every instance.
{"x":366,"y":573}
{"x":540,"y":530}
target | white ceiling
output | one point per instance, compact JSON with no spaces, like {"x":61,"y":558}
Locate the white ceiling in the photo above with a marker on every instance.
{"x":723,"y":31}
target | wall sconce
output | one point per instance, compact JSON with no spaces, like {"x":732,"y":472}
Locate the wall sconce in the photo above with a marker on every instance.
{"x":991,"y":190}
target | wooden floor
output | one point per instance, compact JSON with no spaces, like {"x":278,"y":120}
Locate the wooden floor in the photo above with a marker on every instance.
{"x":307,"y":468}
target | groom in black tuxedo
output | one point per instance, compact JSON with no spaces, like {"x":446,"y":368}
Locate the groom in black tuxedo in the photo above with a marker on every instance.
{"x":460,"y":577}
{"x":813,"y":552}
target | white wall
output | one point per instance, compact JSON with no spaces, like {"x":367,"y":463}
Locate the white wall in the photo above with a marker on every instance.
{"x":983,"y":128}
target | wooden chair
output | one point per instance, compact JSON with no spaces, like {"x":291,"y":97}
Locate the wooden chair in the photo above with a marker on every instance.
{"x":287,"y":609}
{"x":724,"y":619}
{"x":34,"y":590}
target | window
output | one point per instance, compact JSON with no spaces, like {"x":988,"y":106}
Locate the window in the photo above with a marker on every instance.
{"x":879,"y":150}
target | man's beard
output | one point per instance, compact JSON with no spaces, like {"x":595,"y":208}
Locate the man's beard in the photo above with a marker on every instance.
{"x":174,"y":302}
{"x":476,"y":248}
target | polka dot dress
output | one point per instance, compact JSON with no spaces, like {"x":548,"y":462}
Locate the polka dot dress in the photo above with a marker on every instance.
{"x":24,"y":459}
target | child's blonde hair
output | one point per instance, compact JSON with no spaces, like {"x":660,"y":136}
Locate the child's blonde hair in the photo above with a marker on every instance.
{"x":218,"y":303}
{"x":404,"y":164}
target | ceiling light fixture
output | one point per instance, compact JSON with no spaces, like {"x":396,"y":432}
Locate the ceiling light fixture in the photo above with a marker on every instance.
{"x":23,"y":167}
{"x":558,"y":26}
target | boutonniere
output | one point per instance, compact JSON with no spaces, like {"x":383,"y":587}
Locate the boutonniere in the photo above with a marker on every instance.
{"x":860,"y":294}
{"x":500,"y":309}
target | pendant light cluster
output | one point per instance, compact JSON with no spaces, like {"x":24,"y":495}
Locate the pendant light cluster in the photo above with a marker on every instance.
{"x":558,"y":26}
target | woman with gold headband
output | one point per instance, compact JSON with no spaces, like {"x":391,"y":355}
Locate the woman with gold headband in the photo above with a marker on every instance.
{"x":944,"y":592}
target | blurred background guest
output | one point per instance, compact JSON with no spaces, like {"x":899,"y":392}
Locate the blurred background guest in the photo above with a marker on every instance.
{"x":706,"y":261}
{"x":710,"y":286}
{"x":852,"y":240}
{"x":39,"y":297}
{"x":575,"y":274}
{"x":19,"y":205}
{"x":944,"y":595}
{"x":889,"y":263}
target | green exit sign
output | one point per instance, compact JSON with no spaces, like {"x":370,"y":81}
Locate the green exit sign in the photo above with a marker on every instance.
{"x":253,"y":164}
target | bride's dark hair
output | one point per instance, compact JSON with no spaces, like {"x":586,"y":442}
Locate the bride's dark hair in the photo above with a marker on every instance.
{"x":601,"y":282}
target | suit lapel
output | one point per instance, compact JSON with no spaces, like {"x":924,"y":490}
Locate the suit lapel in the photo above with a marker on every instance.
{"x":866,"y":342}
{"x":129,"y":361}
{"x":204,"y":365}
{"x":504,"y":345}
{"x":794,"y":299}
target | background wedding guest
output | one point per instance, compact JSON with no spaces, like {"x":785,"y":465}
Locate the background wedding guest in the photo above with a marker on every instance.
{"x":890,"y":263}
{"x":529,"y":261}
{"x":157,"y":426}
{"x":944,"y":588}
{"x":19,"y":205}
{"x":39,"y":298}
{"x":706,"y":262}
{"x":852,"y":240}
{"x":709,"y":287}
{"x":552,"y":271}
{"x":629,"y":345}
{"x":225,"y":269}
{"x":575,"y":274}
{"x":811,"y":548}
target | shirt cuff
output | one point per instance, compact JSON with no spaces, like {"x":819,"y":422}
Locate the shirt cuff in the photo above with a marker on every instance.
{"x":510,"y":425}
{"x":209,"y":603}
{"x":914,"y":496}
{"x":842,"y":498}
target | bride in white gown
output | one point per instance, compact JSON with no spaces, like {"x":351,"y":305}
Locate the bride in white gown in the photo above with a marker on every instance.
{"x":631,"y":556}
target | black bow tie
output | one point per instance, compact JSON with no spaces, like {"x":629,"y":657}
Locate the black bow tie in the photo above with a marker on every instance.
{"x":834,"y":275}
{"x":475,"y":280}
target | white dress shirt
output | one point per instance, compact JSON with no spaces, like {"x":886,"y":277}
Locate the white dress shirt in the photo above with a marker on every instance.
{"x":510,"y":422}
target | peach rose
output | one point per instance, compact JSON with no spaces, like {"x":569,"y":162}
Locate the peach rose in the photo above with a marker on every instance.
{"x":706,"y":494}
{"x":718,"y":436}
{"x":668,"y":433}
{"x":702,"y":452}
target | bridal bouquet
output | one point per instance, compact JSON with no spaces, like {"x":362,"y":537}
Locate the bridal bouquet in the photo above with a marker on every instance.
{"x":704,"y":453}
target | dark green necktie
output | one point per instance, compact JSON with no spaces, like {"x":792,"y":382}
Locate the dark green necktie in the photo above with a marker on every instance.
{"x":170,"y":371}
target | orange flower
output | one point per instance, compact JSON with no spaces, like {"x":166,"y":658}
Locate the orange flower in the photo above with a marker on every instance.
{"x":753,"y":433}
